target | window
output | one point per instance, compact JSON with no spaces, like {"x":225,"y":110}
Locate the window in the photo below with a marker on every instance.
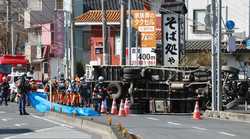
{"x":198,"y":22}
{"x":45,"y":67}
{"x":35,"y":5}
{"x":117,"y":44}
{"x":59,"y":4}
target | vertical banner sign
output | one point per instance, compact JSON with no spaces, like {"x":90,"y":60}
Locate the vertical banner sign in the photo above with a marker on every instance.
{"x":58,"y":47}
{"x":145,"y":23}
{"x":171,"y":40}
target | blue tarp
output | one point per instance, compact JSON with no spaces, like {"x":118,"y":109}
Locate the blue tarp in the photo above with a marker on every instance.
{"x":41,"y":104}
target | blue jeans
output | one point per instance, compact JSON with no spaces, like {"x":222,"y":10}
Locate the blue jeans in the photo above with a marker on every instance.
{"x":22,"y":103}
{"x":4,"y":98}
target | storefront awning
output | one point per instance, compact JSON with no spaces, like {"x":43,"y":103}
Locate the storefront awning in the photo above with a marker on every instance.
{"x":13,"y":60}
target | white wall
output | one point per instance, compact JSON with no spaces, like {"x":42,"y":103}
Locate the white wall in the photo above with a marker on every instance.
{"x":237,"y":11}
{"x":56,"y":66}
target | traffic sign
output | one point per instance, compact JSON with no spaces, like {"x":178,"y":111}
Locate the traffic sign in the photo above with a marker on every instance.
{"x":230,"y":24}
{"x":248,"y":43}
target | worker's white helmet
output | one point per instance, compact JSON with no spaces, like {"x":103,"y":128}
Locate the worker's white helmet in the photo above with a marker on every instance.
{"x":100,"y":78}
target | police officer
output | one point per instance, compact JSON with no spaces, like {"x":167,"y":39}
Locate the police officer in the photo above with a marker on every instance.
{"x":84,"y":92}
{"x":22,"y":89}
{"x":99,"y":93}
{"x":61,"y":89}
{"x":4,"y":91}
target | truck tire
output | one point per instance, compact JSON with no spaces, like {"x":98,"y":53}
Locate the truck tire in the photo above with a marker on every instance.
{"x":134,"y":70}
{"x":230,"y":69}
{"x":116,"y":89}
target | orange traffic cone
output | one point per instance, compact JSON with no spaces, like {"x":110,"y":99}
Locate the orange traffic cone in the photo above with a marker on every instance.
{"x":197,"y":114}
{"x":126,"y":107}
{"x":114,"y":108}
{"x":103,"y":107}
{"x":121,"y":109}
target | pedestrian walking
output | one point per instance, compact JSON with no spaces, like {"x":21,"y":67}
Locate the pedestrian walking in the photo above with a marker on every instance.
{"x":4,"y":91}
{"x":22,"y":89}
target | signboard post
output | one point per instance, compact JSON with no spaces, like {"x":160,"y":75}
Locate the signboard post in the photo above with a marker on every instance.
{"x":171,"y":40}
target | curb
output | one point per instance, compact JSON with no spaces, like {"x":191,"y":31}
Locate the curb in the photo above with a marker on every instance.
{"x":88,"y":124}
{"x":241,"y":117}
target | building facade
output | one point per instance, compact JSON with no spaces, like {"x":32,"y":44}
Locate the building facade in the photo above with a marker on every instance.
{"x":44,"y":20}
{"x":198,"y":34}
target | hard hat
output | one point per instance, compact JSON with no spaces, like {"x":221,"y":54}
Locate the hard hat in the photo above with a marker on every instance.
{"x":29,"y":74}
{"x":82,"y":78}
{"x":100,"y":78}
{"x":4,"y":78}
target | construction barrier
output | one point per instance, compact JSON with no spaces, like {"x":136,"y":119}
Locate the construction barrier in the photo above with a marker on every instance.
{"x":41,"y":104}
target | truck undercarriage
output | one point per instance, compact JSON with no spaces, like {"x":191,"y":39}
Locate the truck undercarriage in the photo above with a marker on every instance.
{"x":168,"y":90}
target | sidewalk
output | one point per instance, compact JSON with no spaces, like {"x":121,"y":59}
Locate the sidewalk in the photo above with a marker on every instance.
{"x":234,"y":115}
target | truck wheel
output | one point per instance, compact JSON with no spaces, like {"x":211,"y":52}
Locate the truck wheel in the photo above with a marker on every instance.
{"x":116,"y":90}
{"x":131,"y":70}
{"x":230,"y":69}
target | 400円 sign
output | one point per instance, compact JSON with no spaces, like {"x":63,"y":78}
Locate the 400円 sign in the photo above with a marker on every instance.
{"x":144,"y":56}
{"x":171,"y":40}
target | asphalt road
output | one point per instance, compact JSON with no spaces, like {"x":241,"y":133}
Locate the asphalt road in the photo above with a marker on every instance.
{"x":182,"y":127}
{"x":14,"y":126}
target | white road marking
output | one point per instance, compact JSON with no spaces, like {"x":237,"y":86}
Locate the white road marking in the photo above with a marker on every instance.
{"x":2,"y":112}
{"x":199,"y":128}
{"x":21,"y":124}
{"x":228,"y":134}
{"x":5,"y":120}
{"x":172,"y":123}
{"x":152,"y":118}
{"x":54,"y":122}
{"x":133,"y":115}
{"x":44,"y":129}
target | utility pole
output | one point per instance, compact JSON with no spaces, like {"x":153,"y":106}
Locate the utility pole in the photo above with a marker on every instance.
{"x":72,"y":41}
{"x":213,"y":57}
{"x":129,"y":32}
{"x":123,"y":33}
{"x":249,"y":19}
{"x":66,"y":44}
{"x":104,"y":35}
{"x":219,"y":90}
{"x":9,"y":29}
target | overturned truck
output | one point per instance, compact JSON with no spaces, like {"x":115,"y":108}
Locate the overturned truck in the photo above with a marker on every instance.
{"x":167,"y":90}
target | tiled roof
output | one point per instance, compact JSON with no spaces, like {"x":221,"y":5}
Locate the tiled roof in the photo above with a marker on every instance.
{"x":96,"y":16}
{"x":111,"y":4}
{"x":201,"y":45}
{"x":198,"y":45}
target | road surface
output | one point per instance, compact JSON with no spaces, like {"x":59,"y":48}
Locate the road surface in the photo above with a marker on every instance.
{"x":14,"y":126}
{"x":182,"y":127}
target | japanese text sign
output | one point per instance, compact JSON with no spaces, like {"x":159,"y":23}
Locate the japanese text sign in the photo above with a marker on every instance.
{"x":145,"y":23}
{"x":171,"y":40}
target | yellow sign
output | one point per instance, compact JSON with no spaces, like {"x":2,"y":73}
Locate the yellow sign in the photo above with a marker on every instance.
{"x":145,"y":23}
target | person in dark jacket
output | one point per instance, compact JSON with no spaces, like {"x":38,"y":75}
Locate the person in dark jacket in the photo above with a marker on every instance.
{"x":4,"y":91}
{"x":23,"y":88}
{"x":99,"y":94}
{"x":84,"y":89}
